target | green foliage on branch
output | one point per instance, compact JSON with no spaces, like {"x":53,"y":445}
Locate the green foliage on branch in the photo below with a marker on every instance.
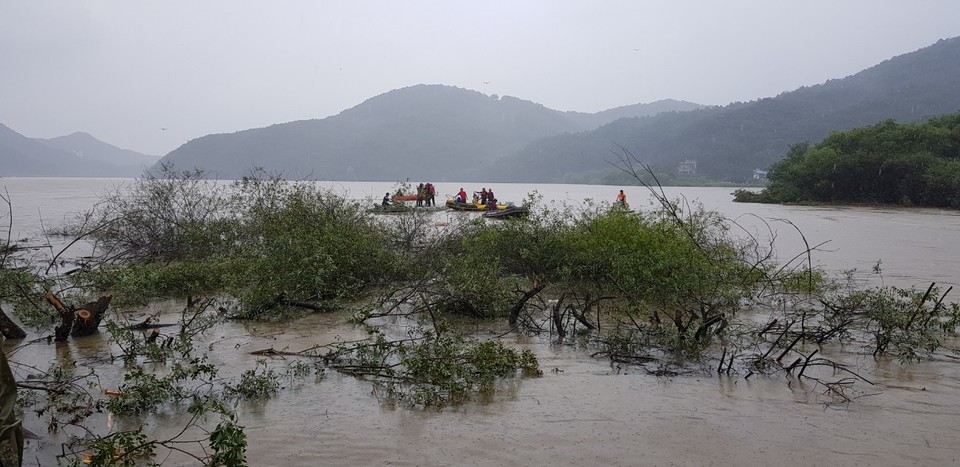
{"x":906,"y":322}
{"x":229,"y":444}
{"x":431,"y":370}
{"x":120,"y":449}
{"x":260,"y":382}
{"x":144,"y":392}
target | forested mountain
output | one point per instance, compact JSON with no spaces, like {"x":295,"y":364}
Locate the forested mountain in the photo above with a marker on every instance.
{"x":423,"y":132}
{"x":729,"y":142}
{"x":21,"y":156}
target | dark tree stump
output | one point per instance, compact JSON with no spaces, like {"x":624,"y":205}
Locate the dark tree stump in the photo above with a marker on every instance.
{"x":80,"y":322}
{"x":89,"y":316}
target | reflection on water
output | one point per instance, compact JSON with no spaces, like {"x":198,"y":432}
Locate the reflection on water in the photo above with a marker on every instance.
{"x":583,"y":411}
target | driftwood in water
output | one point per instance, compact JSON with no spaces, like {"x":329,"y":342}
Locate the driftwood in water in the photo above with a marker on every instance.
{"x":148,"y":324}
{"x":78,"y":322}
{"x":9,"y":329}
{"x":281,"y":354}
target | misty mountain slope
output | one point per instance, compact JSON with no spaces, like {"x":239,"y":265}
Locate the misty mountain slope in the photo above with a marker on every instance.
{"x":423,"y":132}
{"x":595,"y":120}
{"x":87,"y":147}
{"x":21,"y":156}
{"x":729,"y":142}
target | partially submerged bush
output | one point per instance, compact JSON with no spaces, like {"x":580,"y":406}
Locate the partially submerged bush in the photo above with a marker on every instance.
{"x":166,"y":216}
{"x":430,"y":370}
{"x":905,"y":322}
{"x":267,"y":242}
{"x":645,"y":264}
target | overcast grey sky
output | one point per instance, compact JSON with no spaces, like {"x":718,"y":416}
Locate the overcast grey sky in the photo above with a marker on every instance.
{"x":122,"y":70}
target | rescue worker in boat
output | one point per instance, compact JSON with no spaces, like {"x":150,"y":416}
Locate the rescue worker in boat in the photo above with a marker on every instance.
{"x":492,"y":205}
{"x":462,"y":196}
{"x":622,"y":199}
{"x":483,"y":196}
{"x":476,"y":199}
{"x":490,"y":194}
{"x":386,"y":199}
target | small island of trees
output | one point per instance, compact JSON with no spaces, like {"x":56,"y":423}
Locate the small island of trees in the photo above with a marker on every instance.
{"x":887,"y":163}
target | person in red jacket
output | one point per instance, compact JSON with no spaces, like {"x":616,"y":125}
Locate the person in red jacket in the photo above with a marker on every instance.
{"x":462,"y":196}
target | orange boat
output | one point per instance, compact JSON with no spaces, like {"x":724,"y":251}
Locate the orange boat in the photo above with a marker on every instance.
{"x":404,"y":198}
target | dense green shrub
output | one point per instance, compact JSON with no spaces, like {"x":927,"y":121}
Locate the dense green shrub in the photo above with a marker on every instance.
{"x":265,"y":241}
{"x":888,"y":163}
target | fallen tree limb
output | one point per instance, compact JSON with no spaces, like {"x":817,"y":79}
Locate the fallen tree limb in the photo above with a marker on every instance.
{"x":146,"y":324}
{"x":9,"y":329}
{"x":515,"y":312}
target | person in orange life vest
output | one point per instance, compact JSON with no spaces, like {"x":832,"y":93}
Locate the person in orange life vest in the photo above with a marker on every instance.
{"x":622,"y":199}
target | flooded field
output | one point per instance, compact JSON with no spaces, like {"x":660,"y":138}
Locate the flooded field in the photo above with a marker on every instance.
{"x":583,"y":410}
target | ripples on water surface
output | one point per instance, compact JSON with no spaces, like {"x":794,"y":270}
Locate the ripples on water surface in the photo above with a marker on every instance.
{"x":587,"y":412}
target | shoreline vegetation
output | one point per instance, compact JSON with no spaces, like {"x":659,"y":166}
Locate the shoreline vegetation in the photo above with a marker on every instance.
{"x":888,"y":164}
{"x":669,"y":291}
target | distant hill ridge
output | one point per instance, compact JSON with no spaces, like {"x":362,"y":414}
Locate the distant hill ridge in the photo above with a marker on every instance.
{"x":85,"y":146}
{"x":422,"y":132}
{"x":76,"y":155}
{"x":729,"y":142}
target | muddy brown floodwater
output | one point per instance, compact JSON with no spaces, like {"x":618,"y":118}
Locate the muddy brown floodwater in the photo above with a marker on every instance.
{"x":583,"y":411}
